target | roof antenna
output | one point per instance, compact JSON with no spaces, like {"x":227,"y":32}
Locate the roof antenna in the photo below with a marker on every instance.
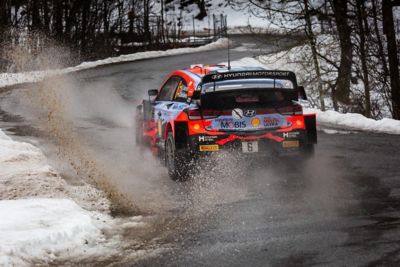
{"x":227,"y":36}
{"x":229,"y":55}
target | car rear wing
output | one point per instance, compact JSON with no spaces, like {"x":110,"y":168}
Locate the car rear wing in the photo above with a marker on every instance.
{"x":259,"y":74}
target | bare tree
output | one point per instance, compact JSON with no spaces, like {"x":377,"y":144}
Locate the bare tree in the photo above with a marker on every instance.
{"x":312,"y":42}
{"x":388,"y":28}
{"x":342,"y":92}
{"x":363,"y":31}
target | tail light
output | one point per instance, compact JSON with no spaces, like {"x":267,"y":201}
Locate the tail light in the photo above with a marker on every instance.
{"x":196,"y":114}
{"x":297,"y":122}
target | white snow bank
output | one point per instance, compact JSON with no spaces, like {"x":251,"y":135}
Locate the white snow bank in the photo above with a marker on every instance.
{"x":355,"y":121}
{"x":43,"y":219}
{"x":24,"y":172}
{"x":39,"y":229}
{"x":9,"y":79}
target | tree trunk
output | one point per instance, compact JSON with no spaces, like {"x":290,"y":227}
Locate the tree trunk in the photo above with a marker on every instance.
{"x":162,"y":22}
{"x":36,"y":23}
{"x":58,"y":19}
{"x":344,"y":31}
{"x":146,"y":21}
{"x":363,"y":57}
{"x":46,"y":17}
{"x":388,"y":28}
{"x":85,"y":15}
{"x":311,"y":40}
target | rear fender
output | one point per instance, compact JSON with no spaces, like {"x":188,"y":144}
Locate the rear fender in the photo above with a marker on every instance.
{"x":310,"y":121}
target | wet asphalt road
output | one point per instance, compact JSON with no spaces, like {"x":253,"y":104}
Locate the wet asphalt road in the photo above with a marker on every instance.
{"x":341,"y":209}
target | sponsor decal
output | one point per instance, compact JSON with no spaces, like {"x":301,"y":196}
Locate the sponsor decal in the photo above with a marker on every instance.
{"x":216,"y":76}
{"x":208,"y":148}
{"x":290,"y":144}
{"x":290,"y":134}
{"x":266,"y":121}
{"x":207,"y":138}
{"x":237,"y":113}
{"x":255,"y":122}
{"x":249,"y":113}
{"x":231,"y":124}
{"x":271,"y":122}
{"x":246,"y":74}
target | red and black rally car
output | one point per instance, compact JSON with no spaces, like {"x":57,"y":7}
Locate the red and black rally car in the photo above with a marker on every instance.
{"x":203,"y":110}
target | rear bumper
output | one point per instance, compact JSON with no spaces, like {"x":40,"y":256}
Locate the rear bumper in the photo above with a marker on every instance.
{"x":267,"y":143}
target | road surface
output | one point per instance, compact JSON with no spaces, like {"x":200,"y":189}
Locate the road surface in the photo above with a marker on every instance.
{"x":342,"y":209}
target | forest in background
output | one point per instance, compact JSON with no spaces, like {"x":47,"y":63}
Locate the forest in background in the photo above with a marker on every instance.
{"x":354,"y":50}
{"x":93,"y":29}
{"x":357,"y":71}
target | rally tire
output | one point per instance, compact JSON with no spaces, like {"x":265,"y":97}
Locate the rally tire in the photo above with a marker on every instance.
{"x":176,"y":162}
{"x":308,"y":151}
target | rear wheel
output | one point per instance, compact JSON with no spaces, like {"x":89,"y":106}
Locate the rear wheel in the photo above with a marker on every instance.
{"x":175,"y":160}
{"x":308,"y":151}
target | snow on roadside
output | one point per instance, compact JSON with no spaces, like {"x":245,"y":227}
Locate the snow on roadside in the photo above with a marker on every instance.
{"x":9,"y":79}
{"x":355,"y":121}
{"x":39,"y":229}
{"x":44,"y":219}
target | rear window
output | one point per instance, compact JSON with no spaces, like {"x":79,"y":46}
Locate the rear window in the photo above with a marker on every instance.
{"x":248,"y":98}
{"x":247,"y":93}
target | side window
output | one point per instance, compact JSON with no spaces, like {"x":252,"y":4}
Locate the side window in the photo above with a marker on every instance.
{"x":168,"y":90}
{"x":181,"y":92}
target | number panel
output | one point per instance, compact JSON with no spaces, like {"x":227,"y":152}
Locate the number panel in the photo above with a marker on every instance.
{"x":250,"y":147}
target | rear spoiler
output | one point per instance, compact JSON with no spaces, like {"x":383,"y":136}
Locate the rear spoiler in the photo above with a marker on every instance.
{"x":269,"y":74}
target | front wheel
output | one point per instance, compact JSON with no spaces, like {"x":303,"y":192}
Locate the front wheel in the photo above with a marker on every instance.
{"x":175,"y":160}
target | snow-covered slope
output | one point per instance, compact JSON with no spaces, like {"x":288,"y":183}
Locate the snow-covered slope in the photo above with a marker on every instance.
{"x":43,"y":219}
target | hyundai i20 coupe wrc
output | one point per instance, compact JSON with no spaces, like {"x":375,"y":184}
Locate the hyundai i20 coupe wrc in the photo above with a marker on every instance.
{"x":208,"y":109}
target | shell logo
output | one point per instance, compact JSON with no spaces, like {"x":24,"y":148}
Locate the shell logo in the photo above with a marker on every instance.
{"x":255,"y":122}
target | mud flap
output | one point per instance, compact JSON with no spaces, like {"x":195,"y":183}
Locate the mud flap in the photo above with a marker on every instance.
{"x":311,"y":128}
{"x":147,"y":110}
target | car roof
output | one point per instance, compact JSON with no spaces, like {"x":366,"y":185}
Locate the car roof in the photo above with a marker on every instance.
{"x":202,"y":70}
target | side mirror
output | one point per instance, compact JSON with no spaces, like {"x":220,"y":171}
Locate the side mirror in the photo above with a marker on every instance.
{"x":302,"y":93}
{"x":152,"y":92}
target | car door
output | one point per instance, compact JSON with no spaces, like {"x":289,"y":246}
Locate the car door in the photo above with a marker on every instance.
{"x":169,"y":102}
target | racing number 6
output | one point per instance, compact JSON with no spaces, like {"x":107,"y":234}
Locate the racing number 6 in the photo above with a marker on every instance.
{"x":250,"y":146}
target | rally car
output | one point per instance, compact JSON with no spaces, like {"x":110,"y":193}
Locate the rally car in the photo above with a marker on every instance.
{"x":208,"y":109}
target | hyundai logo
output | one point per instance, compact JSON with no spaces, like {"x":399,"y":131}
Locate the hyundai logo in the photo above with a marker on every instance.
{"x":249,"y":113}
